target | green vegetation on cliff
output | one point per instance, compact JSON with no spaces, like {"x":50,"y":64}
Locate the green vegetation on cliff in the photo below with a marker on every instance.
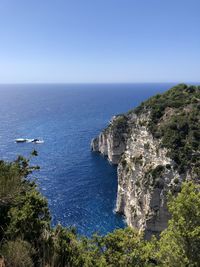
{"x":175,"y":118}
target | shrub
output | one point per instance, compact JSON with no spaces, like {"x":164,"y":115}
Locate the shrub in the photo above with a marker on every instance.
{"x":17,"y":253}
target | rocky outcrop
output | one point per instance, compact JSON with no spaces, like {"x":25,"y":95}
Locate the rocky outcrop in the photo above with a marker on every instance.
{"x":145,"y":172}
{"x":112,"y":141}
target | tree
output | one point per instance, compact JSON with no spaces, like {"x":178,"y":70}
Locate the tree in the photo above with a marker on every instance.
{"x":13,"y":184}
{"x":24,"y":212}
{"x":180,"y":242}
{"x":66,"y":248}
{"x":123,"y":248}
{"x":30,"y":220}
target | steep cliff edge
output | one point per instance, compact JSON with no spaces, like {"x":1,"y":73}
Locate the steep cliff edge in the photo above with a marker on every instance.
{"x":156,"y":147}
{"x":112,"y":141}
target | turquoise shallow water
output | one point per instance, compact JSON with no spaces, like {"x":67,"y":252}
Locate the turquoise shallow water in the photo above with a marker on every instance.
{"x":80,"y":186}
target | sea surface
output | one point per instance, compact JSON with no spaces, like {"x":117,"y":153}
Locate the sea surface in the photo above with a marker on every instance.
{"x":80,"y":186}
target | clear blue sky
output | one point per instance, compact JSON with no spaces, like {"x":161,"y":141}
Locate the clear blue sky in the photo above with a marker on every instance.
{"x":99,"y":41}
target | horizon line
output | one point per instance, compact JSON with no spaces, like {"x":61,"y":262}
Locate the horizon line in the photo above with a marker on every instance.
{"x":92,"y":83}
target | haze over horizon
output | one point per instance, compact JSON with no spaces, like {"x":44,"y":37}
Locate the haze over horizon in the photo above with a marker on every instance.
{"x":102,"y":41}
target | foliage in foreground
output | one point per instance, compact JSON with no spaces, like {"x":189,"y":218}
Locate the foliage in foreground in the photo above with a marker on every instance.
{"x":180,"y":242}
{"x":27,"y":239}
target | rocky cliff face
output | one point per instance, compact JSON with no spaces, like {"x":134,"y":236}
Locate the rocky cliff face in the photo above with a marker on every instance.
{"x":146,"y":172}
{"x":112,"y":141}
{"x":145,"y":175}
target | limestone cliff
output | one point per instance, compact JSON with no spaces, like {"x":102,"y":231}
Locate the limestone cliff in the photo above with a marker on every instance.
{"x":112,"y":141}
{"x":148,"y":164}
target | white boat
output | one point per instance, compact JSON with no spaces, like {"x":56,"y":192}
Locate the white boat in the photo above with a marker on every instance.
{"x":37,"y":141}
{"x":26,"y":140}
{"x":20,"y":140}
{"x":29,"y":140}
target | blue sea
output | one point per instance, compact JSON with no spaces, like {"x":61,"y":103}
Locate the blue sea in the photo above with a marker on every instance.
{"x":80,"y":186}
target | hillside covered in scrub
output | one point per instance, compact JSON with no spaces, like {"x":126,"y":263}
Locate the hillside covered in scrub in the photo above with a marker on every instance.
{"x":175,"y":118}
{"x":156,"y":147}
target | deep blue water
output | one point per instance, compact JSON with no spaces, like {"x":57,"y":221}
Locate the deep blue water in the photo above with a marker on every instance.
{"x":80,"y":186}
